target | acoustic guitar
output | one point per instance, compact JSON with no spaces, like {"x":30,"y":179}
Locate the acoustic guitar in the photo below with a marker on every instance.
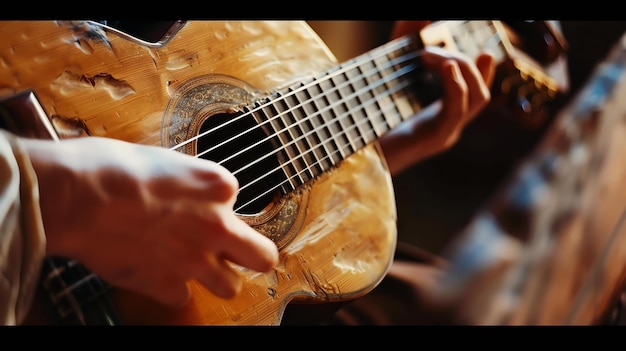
{"x":268,"y":101}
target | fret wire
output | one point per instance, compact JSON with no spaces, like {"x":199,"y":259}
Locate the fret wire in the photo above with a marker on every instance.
{"x":299,"y":133}
{"x":344,"y":109}
{"x":311,"y":139}
{"x":323,"y":129}
{"x":386,"y":67}
{"x":370,"y":110}
{"x":357,"y":89}
{"x":382,"y":100}
{"x":331,"y":95}
{"x":272,"y":189}
{"x":274,"y":130}
{"x":285,"y":187}
{"x":284,"y":131}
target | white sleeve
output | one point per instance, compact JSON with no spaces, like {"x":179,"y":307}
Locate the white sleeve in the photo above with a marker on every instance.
{"x":22,"y":238}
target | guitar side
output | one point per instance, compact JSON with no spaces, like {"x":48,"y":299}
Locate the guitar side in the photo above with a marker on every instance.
{"x":342,"y":241}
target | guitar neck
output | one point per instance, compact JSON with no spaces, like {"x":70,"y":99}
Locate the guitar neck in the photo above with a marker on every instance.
{"x":320,"y":122}
{"x":324,"y":120}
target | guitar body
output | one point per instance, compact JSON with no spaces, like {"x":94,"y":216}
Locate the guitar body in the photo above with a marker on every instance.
{"x":336,"y":234}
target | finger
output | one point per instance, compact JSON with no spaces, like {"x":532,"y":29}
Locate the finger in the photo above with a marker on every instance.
{"x":219,"y":232}
{"x":455,"y":94}
{"x":440,"y":133}
{"x":486,"y":64}
{"x":478,"y":77}
{"x":204,"y":180}
{"x":220,"y":278}
{"x":248,"y":248}
{"x":222,"y":183}
{"x":185,"y":263}
{"x":442,"y":63}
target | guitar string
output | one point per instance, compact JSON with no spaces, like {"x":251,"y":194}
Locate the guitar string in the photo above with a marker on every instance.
{"x":311,"y":150}
{"x":496,"y":39}
{"x":356,"y":94}
{"x":316,"y":81}
{"x":345,"y":115}
{"x":381,"y":52}
{"x":371,"y":56}
{"x":390,"y":47}
{"x":337,"y":88}
{"x":327,"y":156}
{"x":348,"y":83}
{"x":325,"y":76}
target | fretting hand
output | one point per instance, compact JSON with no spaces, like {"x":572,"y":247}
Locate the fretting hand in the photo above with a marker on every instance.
{"x":466,"y":91}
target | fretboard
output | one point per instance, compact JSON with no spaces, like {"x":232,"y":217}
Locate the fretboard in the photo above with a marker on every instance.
{"x":320,"y":122}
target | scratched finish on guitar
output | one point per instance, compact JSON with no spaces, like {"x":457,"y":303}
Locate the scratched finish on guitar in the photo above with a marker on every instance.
{"x":100,"y":83}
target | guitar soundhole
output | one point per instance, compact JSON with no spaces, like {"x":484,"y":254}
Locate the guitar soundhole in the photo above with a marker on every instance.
{"x":236,"y":143}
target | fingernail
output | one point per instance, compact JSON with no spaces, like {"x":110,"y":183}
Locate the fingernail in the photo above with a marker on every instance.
{"x":455,"y":70}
